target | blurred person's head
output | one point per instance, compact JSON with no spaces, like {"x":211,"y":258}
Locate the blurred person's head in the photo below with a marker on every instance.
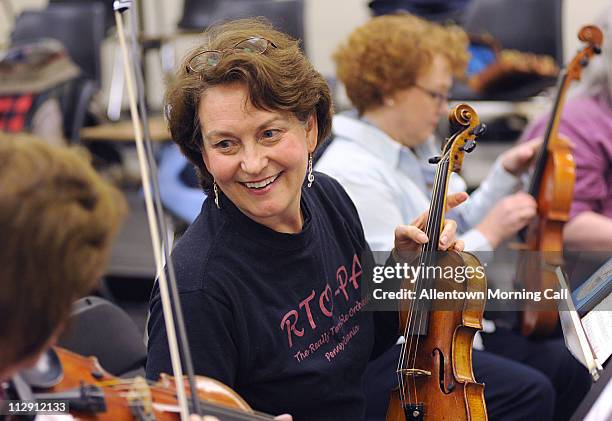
{"x":247,"y":108}
{"x":398,"y":71}
{"x":57,"y":218}
{"x":596,"y":79}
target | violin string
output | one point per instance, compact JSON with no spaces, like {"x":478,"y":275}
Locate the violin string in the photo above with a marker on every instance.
{"x":439,"y":209}
{"x":220,"y":409}
{"x":415,"y":309}
{"x":408,"y":339}
{"x":428,"y":248}
{"x":433,"y":231}
{"x":407,"y":343}
{"x":118,"y":388}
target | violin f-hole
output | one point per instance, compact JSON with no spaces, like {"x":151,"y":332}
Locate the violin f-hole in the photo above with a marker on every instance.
{"x":446,"y":389}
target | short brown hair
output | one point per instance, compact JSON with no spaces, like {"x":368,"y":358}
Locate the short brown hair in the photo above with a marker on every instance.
{"x":389,"y":52}
{"x":281,"y":79}
{"x":57,"y":218}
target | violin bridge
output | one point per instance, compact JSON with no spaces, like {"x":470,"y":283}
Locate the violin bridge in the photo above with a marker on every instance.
{"x":415,"y":372}
{"x":141,"y":401}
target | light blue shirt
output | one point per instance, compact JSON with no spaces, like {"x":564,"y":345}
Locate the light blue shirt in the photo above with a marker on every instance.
{"x":390,"y":184}
{"x":184,"y":201}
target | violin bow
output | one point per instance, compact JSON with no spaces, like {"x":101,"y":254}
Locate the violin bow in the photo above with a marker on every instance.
{"x":157,"y":226}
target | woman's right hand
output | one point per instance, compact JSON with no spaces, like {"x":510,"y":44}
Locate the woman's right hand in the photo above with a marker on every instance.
{"x":408,"y":238}
{"x":510,"y":215}
{"x":517,"y":159}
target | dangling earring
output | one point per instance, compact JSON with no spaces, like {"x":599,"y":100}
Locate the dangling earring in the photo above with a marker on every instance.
{"x":389,"y":102}
{"x":216,"y":190}
{"x":310,"y":174}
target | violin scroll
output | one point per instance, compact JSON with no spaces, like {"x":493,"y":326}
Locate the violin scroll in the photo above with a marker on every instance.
{"x":593,"y":37}
{"x":462,"y":116}
{"x":465,"y":122}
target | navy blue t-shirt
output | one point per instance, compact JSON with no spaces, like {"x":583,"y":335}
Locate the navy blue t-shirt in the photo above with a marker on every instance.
{"x":278,"y":317}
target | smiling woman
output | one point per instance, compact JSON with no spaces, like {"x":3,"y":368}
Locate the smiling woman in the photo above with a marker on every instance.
{"x":248,"y":110}
{"x":269,"y":273}
{"x":258,"y":158}
{"x":278,"y":77}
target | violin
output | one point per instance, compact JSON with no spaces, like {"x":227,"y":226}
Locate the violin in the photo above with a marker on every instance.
{"x":92,"y":393}
{"x":435,"y":376}
{"x":552,"y":185}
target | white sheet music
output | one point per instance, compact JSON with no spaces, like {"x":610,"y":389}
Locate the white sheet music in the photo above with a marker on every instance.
{"x":598,"y":327}
{"x":602,"y":408}
{"x":575,"y":336}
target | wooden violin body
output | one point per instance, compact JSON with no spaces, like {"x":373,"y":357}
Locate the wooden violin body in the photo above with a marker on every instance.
{"x":552,"y":185}
{"x":94,"y":394}
{"x":435,"y":376}
{"x":440,"y":381}
{"x":545,"y":239}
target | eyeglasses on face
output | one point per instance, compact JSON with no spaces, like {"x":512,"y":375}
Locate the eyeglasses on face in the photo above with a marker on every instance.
{"x":440,"y":98}
{"x":211,"y":58}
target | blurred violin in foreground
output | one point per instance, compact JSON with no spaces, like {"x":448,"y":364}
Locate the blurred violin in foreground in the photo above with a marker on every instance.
{"x":91,"y":393}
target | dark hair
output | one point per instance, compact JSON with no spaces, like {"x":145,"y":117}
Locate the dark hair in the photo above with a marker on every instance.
{"x":57,"y":218}
{"x":281,"y":79}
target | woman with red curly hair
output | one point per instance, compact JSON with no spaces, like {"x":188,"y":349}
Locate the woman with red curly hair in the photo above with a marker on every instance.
{"x":398,"y":71}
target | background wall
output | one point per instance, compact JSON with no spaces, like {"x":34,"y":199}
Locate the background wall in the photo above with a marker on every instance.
{"x":327,"y":24}
{"x":576,"y":14}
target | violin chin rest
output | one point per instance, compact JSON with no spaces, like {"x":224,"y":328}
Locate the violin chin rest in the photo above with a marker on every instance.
{"x":46,"y":373}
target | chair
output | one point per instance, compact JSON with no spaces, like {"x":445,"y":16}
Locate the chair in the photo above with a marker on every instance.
{"x":197,"y":14}
{"x":101,"y":329}
{"x":109,"y":20}
{"x":435,"y":10}
{"x":80,"y":28}
{"x":285,"y":15}
{"x":181,"y":195}
{"x":526,"y":25}
{"x":532,"y":26}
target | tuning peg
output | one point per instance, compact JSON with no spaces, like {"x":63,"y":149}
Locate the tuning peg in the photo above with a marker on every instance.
{"x":597,"y":50}
{"x":434,"y":160}
{"x":479,"y":129}
{"x":469,"y":146}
